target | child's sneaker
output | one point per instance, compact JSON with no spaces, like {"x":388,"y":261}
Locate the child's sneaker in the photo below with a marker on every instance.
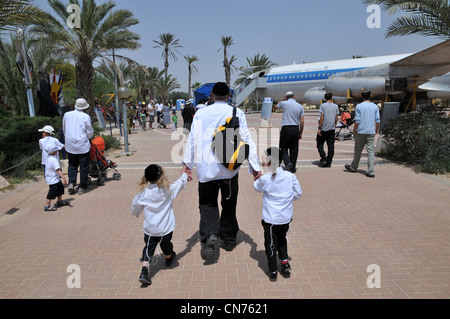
{"x":169,"y":261}
{"x":285,"y":269}
{"x":273,"y":275}
{"x":145,"y":276}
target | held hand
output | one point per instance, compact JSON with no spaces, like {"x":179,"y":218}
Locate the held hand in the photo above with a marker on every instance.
{"x":256,"y":175}
{"x":188,"y":172}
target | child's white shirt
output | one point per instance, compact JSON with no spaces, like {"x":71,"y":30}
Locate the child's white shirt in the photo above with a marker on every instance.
{"x":156,"y":203}
{"x":43,"y":143}
{"x":51,"y":167}
{"x":279,"y":193}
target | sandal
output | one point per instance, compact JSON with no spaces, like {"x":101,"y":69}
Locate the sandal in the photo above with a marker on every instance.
{"x":61,"y":203}
{"x":50,"y":209}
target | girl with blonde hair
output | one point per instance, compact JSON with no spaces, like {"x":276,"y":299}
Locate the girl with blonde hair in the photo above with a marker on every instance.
{"x":155,"y":200}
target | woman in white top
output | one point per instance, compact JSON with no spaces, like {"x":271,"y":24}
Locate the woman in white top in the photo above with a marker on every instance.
{"x":159,"y":224}
{"x":280,"y":189}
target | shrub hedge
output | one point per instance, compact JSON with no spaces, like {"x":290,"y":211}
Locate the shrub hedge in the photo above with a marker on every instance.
{"x":420,"y":140}
{"x":19,"y":140}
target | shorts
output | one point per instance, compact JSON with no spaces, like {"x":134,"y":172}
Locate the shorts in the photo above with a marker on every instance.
{"x":55,"y":191}
{"x":152,"y":119}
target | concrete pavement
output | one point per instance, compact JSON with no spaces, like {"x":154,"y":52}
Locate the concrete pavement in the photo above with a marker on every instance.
{"x":349,"y":233}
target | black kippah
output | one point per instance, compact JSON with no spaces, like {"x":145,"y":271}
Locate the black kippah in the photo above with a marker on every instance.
{"x":220,"y":89}
{"x":153,"y":173}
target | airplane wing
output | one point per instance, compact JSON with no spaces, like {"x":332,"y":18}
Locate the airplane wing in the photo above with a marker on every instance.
{"x":424,"y":65}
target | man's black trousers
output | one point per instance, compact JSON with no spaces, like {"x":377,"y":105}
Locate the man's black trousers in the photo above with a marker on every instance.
{"x":224,"y":225}
{"x":289,"y":137}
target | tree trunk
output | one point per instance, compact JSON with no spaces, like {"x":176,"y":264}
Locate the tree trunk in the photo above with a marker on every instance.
{"x":85,"y":79}
{"x":189,"y":84}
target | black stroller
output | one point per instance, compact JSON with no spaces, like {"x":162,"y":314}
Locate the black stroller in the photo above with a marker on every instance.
{"x":343,"y":129}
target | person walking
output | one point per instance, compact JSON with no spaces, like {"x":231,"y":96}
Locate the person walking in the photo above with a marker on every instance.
{"x":213,"y":176}
{"x":280,"y":188}
{"x":78,"y":130}
{"x":367,"y":125}
{"x":292,"y":124}
{"x":188,"y":114}
{"x":151,"y":115}
{"x":47,"y":131}
{"x":156,"y":203}
{"x":329,"y":113}
{"x":166,"y":116}
{"x":54,"y":178}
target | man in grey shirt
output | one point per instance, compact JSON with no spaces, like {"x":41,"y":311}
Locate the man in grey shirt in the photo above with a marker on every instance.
{"x":292,"y":124}
{"x":329,"y":113}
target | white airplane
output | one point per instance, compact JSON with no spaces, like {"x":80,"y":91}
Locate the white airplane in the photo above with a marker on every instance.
{"x":423,"y":75}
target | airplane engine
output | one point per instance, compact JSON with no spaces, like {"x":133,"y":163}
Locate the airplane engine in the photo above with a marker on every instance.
{"x":378,"y":85}
{"x":316,"y":95}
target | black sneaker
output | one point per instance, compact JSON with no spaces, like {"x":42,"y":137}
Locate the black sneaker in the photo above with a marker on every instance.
{"x":229,"y":246}
{"x":350,"y":168}
{"x":145,"y":277}
{"x":169,"y":261}
{"x":285,"y":270}
{"x":209,"y":247}
{"x":273,"y":276}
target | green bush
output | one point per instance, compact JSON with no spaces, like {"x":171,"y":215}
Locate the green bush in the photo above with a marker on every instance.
{"x":420,"y":140}
{"x":19,"y":140}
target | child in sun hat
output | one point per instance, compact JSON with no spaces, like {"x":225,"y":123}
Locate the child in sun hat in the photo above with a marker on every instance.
{"x":280,"y":189}
{"x":54,"y":178}
{"x":155,"y":201}
{"x":47,"y":132}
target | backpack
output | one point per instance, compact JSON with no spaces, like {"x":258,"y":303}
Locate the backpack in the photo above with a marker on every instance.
{"x":227,"y":144}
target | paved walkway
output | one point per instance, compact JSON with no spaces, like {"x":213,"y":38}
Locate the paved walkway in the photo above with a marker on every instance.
{"x":343,"y":225}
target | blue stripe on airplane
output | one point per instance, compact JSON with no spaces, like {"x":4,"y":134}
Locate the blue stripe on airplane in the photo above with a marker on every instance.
{"x":305,"y":76}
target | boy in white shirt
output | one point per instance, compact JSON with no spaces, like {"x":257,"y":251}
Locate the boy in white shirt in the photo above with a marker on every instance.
{"x":54,"y":178}
{"x":280,"y":189}
{"x":47,"y":132}
{"x":159,"y":224}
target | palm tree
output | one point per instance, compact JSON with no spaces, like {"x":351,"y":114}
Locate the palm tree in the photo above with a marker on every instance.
{"x":427,"y":17}
{"x":14,"y":13}
{"x":102,"y":29}
{"x":153,"y":75}
{"x":166,"y":85}
{"x":195,"y":86}
{"x":169,"y":44}
{"x":255,"y":64}
{"x":11,"y":80}
{"x":191,"y":68}
{"x":138,"y":81}
{"x":227,"y":41}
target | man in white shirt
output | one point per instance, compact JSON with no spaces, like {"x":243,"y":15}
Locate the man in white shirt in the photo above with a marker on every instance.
{"x":213,"y":176}
{"x":78,"y":130}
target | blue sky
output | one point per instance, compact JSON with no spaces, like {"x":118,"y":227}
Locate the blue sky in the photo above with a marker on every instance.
{"x":286,"y":31}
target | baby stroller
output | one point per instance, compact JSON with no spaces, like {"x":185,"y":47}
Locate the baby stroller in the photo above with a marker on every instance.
{"x":98,"y":164}
{"x":345,"y":132}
